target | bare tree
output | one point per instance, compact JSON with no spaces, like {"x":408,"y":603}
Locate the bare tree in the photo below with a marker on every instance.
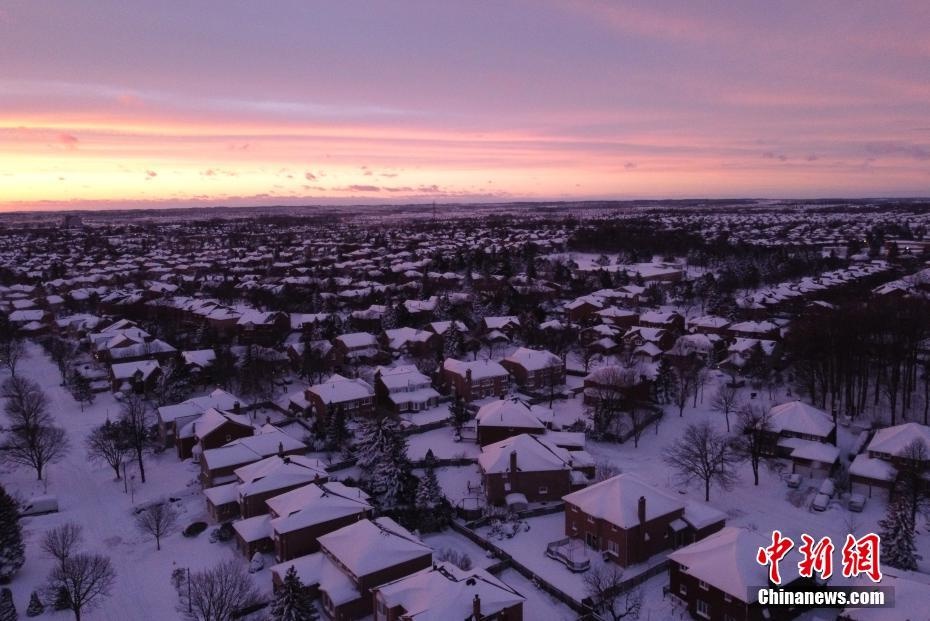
{"x":217,"y":594}
{"x":31,"y":440}
{"x":158,"y":520}
{"x":61,"y":542}
{"x":752,"y":442}
{"x":139,"y":427}
{"x":609,"y":393}
{"x":11,"y":352}
{"x":109,"y":443}
{"x":608,"y":600}
{"x":705,"y":455}
{"x":604,"y":470}
{"x":85,"y":578}
{"x":726,"y":401}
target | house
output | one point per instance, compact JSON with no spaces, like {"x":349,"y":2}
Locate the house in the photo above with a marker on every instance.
{"x":355,"y":348}
{"x":669,"y":321}
{"x":171,"y":417}
{"x":446,"y":592}
{"x":413,"y":342}
{"x":262,"y":327}
{"x":353,"y":397}
{"x":506,"y":418}
{"x":212,"y":429}
{"x":299,"y":517}
{"x":620,"y":318}
{"x":632,"y":521}
{"x":709,"y":324}
{"x":877,"y":468}
{"x":355,"y":560}
{"x":535,"y":370}
{"x":198,"y":362}
{"x":474,"y":380}
{"x":638,"y":336}
{"x":139,"y":376}
{"x":404,"y":389}
{"x":273,"y":476}
{"x":507,"y":325}
{"x":530,"y":466}
{"x":765,"y":330}
{"x":583,"y":309}
{"x":218,"y":465}
{"x":805,"y":435}
{"x":615,"y":383}
{"x":911,"y":593}
{"x":716,"y":577}
{"x":706,"y":347}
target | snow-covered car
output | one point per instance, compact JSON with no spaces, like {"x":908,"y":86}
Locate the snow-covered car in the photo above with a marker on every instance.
{"x":794,"y":481}
{"x":856,"y":502}
{"x":827,"y":488}
{"x":40,"y":505}
{"x":820,"y":502}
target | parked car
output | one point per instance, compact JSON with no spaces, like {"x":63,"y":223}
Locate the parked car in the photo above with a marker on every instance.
{"x":40,"y":505}
{"x":827,"y":488}
{"x":857,"y":502}
{"x":821,"y":501}
{"x":794,"y":481}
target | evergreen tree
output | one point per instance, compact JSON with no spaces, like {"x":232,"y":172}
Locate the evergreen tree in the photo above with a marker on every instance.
{"x":81,"y":390}
{"x":897,"y":534}
{"x":291,"y":602}
{"x":12,"y":549}
{"x":382,"y":455}
{"x":62,"y":599}
{"x":429,"y":494}
{"x":174,"y":384}
{"x":7,"y":607}
{"x":336,"y":431}
{"x":36,"y":607}
{"x":459,"y":413}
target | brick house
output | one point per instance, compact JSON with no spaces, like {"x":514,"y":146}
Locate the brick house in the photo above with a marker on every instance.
{"x":535,"y":370}
{"x":212,"y":429}
{"x":354,"y":397}
{"x":446,"y":592}
{"x":670,"y":321}
{"x":172,"y":417}
{"x":218,"y":465}
{"x":355,"y":560}
{"x":805,"y":435}
{"x":506,"y":418}
{"x":714,"y":576}
{"x":272,"y":477}
{"x":637,"y":336}
{"x":877,"y":468}
{"x":632,"y":521}
{"x":404,"y":389}
{"x":476,"y":379}
{"x":299,"y":517}
{"x":528,"y":465}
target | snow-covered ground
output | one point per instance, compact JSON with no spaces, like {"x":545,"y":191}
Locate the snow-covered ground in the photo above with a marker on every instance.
{"x":90,"y":496}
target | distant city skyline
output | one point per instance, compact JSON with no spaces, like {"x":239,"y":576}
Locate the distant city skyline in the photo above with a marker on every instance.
{"x":120,"y":104}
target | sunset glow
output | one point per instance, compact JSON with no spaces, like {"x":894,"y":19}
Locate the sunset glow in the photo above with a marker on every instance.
{"x":120,"y":104}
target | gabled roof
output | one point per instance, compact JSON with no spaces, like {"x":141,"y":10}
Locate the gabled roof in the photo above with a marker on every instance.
{"x":534,"y":359}
{"x":339,"y":389}
{"x":276,"y":473}
{"x":368,"y":546}
{"x":893,"y":440}
{"x":512,"y":413}
{"x":316,"y":503}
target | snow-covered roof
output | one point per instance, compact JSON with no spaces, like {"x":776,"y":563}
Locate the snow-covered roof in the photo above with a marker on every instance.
{"x":893,"y":440}
{"x":513,"y":413}
{"x":316,"y":503}
{"x":871,"y":468}
{"x":534,"y":454}
{"x":534,"y":359}
{"x":339,"y":389}
{"x":480,"y":369}
{"x":616,"y":500}
{"x":277,"y":472}
{"x":726,"y":560}
{"x":801,"y":418}
{"x":219,"y":399}
{"x":445,"y":592}
{"x":368,"y":546}
{"x":211,"y":420}
{"x":269,"y":441}
{"x":126,"y":370}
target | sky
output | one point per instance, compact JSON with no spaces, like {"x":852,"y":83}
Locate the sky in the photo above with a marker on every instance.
{"x":123,"y":103}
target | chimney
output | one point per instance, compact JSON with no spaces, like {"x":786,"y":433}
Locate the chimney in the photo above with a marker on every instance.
{"x":267,"y":420}
{"x":236,"y":407}
{"x":513,"y":461}
{"x":476,"y":608}
{"x":641,"y":510}
{"x":468,"y":376}
{"x":281,"y":449}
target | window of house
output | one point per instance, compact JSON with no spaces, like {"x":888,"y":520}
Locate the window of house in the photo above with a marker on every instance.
{"x":703,"y":609}
{"x":228,"y":437}
{"x":613,"y":547}
{"x":683,"y":589}
{"x":590,"y":520}
{"x":543,"y":490}
{"x":506,"y":487}
{"x":727,"y":598}
{"x":702,"y":584}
